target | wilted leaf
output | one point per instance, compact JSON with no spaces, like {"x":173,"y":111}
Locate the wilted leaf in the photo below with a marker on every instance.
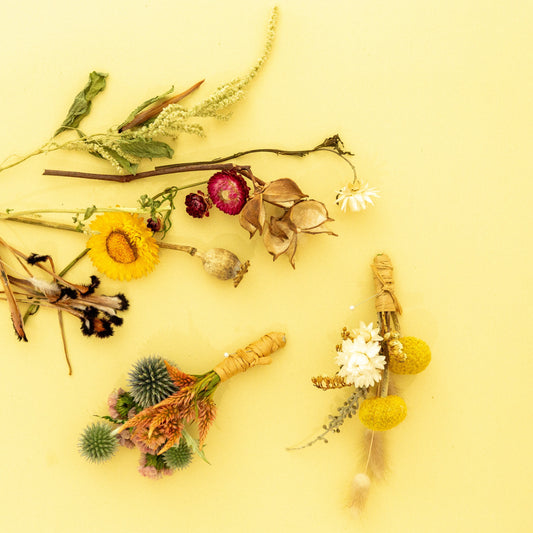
{"x":252,"y":217}
{"x":146,"y":148}
{"x":89,"y":212}
{"x":308,"y":214}
{"x":283,"y":192}
{"x":81,"y":106}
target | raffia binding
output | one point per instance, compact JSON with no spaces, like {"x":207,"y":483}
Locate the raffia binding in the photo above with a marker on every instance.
{"x":257,"y":353}
{"x":386,"y":299}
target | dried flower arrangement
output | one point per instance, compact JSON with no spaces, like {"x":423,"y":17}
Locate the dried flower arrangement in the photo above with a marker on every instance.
{"x":124,"y":242}
{"x":156,"y":414}
{"x":366,"y":357}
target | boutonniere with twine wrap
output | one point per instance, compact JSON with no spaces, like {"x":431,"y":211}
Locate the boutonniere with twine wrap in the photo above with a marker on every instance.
{"x":367,"y":356}
{"x":163,"y":402}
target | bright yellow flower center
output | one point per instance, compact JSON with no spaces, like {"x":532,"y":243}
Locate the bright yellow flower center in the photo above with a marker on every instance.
{"x":120,"y":248}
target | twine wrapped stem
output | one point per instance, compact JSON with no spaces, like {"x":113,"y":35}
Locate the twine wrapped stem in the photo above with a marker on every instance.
{"x":257,"y":353}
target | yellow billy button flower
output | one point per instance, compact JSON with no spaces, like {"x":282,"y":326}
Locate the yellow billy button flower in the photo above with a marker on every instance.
{"x":416,"y":357}
{"x":122,"y":247}
{"x":380,"y":414}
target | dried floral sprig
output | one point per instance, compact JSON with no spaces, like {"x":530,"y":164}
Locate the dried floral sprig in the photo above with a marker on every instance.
{"x":165,"y":401}
{"x":135,"y":139}
{"x":99,"y":314}
{"x":122,"y":243}
{"x":366,"y":357}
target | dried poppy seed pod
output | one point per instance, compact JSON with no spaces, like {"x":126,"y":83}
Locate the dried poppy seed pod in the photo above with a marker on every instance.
{"x":223,"y":264}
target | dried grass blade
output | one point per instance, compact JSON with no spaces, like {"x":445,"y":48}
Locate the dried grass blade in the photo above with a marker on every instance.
{"x":16,"y":317}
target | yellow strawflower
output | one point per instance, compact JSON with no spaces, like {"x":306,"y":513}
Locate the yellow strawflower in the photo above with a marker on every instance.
{"x":380,"y":414}
{"x":417,"y":356}
{"x":122,"y":247}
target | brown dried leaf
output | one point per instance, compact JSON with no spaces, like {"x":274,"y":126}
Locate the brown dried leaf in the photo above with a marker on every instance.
{"x":252,"y":217}
{"x":308,"y":214}
{"x":283,"y":192}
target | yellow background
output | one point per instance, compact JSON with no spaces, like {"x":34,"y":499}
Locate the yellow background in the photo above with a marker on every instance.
{"x":434,"y":99}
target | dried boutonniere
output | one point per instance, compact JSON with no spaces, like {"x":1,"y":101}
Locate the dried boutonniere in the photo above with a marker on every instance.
{"x":139,"y":136}
{"x":155,"y":416}
{"x":367,"y":356}
{"x":98,"y":313}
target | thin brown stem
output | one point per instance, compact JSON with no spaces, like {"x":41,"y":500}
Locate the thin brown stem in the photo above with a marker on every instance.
{"x":331,"y":144}
{"x":44,"y":223}
{"x":126,"y":178}
{"x":191,"y":250}
{"x":64,"y":339}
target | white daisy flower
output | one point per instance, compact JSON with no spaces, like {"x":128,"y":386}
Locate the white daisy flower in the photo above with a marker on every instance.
{"x":356,"y":197}
{"x":360,"y":362}
{"x":369,"y":333}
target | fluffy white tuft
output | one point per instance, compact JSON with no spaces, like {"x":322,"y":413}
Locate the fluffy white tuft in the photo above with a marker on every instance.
{"x":361,"y":487}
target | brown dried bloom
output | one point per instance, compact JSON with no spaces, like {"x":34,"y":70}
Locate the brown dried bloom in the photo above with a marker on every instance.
{"x":300,"y":215}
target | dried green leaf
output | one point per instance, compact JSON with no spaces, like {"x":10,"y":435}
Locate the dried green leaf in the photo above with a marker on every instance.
{"x":146,"y":148}
{"x":81,"y":106}
{"x":193,"y":443}
{"x":89,"y":212}
{"x":143,"y":106}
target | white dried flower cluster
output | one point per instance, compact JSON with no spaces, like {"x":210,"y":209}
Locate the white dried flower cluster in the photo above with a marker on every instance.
{"x":356,"y":197}
{"x":359,"y":357}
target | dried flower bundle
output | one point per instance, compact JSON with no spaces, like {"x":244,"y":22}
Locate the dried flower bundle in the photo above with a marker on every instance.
{"x":366,"y":357}
{"x":157,"y":414}
{"x":98,"y":313}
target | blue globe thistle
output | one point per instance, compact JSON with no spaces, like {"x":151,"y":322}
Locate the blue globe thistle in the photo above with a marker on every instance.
{"x":180,"y":456}
{"x":97,"y":442}
{"x":150,"y":382}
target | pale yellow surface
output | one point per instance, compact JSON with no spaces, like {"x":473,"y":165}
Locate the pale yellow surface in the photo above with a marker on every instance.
{"x":434,"y":99}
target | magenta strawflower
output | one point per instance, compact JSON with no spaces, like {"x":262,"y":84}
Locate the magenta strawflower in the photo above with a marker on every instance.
{"x":197,"y":205}
{"x":228,"y":191}
{"x":154,"y":224}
